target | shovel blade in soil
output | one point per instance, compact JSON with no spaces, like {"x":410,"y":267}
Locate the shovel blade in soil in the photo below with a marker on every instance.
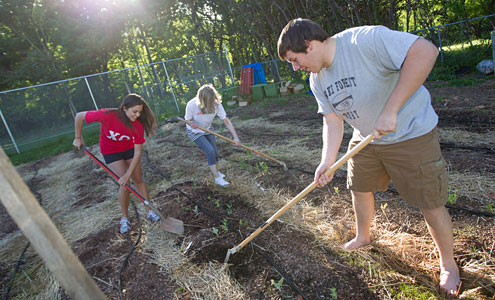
{"x":172,"y":225}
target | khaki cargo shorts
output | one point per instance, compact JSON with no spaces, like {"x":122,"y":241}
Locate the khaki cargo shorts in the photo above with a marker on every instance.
{"x":416,"y":168}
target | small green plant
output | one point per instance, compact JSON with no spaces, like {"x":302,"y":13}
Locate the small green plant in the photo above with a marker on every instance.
{"x":336,"y":189}
{"x":333,"y":293}
{"x":217,"y":203}
{"x":438,"y":99}
{"x":452,"y":197}
{"x":214,"y":230}
{"x":187,"y":208}
{"x":224,"y":225}
{"x":229,"y":208}
{"x":243,"y":223}
{"x":196,"y":210}
{"x":264,"y":167}
{"x":278,"y":284}
{"x":490,"y":208}
{"x":383,"y":207}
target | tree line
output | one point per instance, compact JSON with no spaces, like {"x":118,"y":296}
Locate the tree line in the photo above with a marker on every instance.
{"x":48,"y":40}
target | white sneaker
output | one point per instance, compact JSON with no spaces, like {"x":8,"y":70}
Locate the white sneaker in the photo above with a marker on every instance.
{"x":220,"y":174}
{"x":221,"y":182}
{"x":125,"y":225}
{"x":152,"y":216}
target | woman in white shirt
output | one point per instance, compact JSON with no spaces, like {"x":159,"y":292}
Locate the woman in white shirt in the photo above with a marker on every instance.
{"x":200,"y":111}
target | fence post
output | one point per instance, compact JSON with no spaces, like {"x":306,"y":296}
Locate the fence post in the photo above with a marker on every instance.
{"x":142,"y":84}
{"x":440,"y":43}
{"x":278,"y":72}
{"x":171,"y":87}
{"x":493,"y":50}
{"x":10,"y":134}
{"x":90,"y":92}
{"x":228,"y":61}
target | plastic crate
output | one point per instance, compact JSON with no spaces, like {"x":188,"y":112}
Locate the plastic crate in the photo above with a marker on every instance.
{"x":228,"y":93}
{"x":257,"y":91}
{"x":271,"y":90}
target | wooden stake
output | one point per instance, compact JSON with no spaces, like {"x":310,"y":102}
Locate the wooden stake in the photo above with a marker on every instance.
{"x":32,"y":219}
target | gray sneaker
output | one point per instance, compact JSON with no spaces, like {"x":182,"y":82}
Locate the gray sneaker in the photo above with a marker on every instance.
{"x":125,"y":225}
{"x":152,"y":216}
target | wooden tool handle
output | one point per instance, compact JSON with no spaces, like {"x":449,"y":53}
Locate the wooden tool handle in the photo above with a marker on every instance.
{"x":303,"y":193}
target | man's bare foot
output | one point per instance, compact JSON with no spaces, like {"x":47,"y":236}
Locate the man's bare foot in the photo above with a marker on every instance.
{"x":450,"y":281}
{"x":356,"y":243}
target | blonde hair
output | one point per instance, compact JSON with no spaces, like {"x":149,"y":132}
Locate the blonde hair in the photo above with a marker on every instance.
{"x":208,"y":99}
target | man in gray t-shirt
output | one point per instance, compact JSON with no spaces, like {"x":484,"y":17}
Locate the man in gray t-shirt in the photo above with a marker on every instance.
{"x":371,"y":77}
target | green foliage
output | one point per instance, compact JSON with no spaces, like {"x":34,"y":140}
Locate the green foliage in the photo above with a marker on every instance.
{"x":278,"y":284}
{"x":334,"y":293}
{"x":444,"y":73}
{"x":438,"y":99}
{"x":228,"y":208}
{"x":452,"y":195}
{"x":409,"y":291}
{"x":224,"y":225}
{"x":264,"y":167}
{"x":464,"y":82}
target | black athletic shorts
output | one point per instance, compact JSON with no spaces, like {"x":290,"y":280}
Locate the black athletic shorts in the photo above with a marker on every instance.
{"x":127,"y":154}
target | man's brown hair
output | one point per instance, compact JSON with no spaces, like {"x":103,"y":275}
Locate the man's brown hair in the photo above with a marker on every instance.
{"x":295,"y":35}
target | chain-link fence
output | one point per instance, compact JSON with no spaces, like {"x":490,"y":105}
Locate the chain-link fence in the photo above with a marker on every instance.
{"x":35,"y":115}
{"x":461,"y":37}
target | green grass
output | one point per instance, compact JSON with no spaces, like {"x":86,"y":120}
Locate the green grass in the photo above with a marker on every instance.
{"x":52,"y":146}
{"x":408,"y":291}
{"x":461,"y":60}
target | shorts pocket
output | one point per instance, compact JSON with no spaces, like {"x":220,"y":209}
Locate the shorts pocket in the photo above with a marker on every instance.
{"x":434,"y":181}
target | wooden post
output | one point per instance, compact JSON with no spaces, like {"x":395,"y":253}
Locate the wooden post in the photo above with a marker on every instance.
{"x":43,"y":235}
{"x":493,"y":50}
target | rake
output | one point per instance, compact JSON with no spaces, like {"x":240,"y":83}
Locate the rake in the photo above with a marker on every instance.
{"x":233,"y":142}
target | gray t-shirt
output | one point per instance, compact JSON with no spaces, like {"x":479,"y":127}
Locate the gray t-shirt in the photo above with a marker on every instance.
{"x":363,"y":74}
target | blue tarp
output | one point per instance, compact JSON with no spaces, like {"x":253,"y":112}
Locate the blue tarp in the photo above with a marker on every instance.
{"x":310,"y":92}
{"x":259,"y":72}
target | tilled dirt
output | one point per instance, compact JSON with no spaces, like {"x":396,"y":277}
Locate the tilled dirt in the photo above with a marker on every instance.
{"x":213,"y":220}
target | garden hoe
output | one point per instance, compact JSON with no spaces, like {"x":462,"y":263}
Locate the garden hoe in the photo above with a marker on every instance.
{"x":233,"y":142}
{"x":167,"y":223}
{"x":301,"y":195}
